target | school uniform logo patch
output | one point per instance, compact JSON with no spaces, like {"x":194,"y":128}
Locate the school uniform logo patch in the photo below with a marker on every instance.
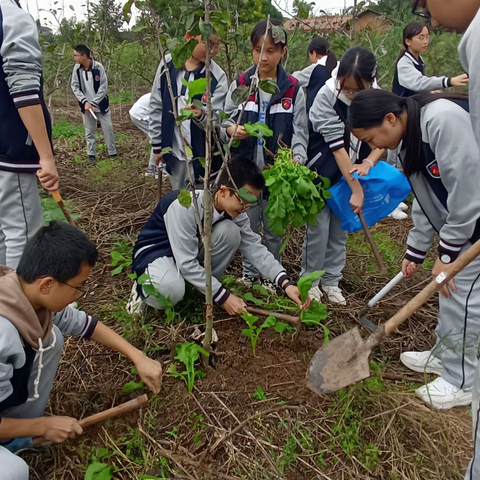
{"x":286,"y":103}
{"x":97,"y":78}
{"x":204,"y":98}
{"x":433,"y":169}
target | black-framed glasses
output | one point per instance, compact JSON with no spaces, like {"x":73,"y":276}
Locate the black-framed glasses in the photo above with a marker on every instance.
{"x":82,"y":288}
{"x":420,"y":11}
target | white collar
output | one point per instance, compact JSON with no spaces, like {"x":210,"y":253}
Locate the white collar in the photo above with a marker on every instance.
{"x":322,"y":61}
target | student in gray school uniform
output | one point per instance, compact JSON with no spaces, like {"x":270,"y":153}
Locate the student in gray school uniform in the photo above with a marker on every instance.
{"x":25,"y":133}
{"x":163,"y":129}
{"x":442,"y":163}
{"x":464,"y":17}
{"x":140,"y":116}
{"x":331,"y":153}
{"x":283,"y":112}
{"x":410,"y":79}
{"x":34,"y":318}
{"x":90,"y":86}
{"x":168,"y":248}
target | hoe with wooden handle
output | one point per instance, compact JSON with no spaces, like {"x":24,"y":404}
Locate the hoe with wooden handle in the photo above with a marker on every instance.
{"x":58,"y":198}
{"x":126,"y":407}
{"x":345,"y":360}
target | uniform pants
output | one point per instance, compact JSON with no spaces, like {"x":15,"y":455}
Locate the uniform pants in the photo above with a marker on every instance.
{"x":20,"y":214}
{"x":90,"y":125}
{"x":458,"y":329}
{"x":166,"y":277}
{"x":325,"y":248}
{"x":473,"y":470}
{"x":143,"y":126}
{"x":272,"y":242}
{"x":13,"y":467}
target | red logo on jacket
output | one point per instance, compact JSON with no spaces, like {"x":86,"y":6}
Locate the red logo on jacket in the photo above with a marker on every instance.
{"x":286,"y":103}
{"x":204,"y":98}
{"x":97,"y":78}
{"x":433,"y":169}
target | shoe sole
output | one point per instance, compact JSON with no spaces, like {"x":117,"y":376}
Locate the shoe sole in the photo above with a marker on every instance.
{"x":465,"y":402}
{"x":413,"y":368}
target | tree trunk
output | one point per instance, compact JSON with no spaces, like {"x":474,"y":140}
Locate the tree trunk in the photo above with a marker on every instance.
{"x":207,"y":203}
{"x":354,"y":19}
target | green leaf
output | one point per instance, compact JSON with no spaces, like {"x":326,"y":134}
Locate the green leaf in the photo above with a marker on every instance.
{"x":131,"y":386}
{"x":258,"y":129}
{"x":268,"y":86}
{"x":247,"y":196}
{"x":190,"y":21}
{"x":305,"y":283}
{"x":117,"y":270}
{"x":240,"y":94}
{"x":281,"y":327}
{"x":181,"y":50}
{"x":127,"y":8}
{"x":279,"y":34}
{"x":202,"y":161}
{"x":197,"y":103}
{"x":261,"y":289}
{"x":224,"y":116}
{"x":269,"y":322}
{"x":259,"y":394}
{"x":247,"y":332}
{"x":235,"y":143}
{"x":249,"y":318}
{"x":315,"y":314}
{"x":248,"y":297}
{"x":98,"y":471}
{"x":197,"y":87}
{"x":188,"y":151}
{"x":206,"y":29}
{"x":184,"y":198}
{"x":285,"y":243}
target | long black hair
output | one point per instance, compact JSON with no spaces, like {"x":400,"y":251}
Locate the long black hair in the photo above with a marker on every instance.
{"x":411,"y":30}
{"x":369,"y":108}
{"x":359,"y":63}
{"x":259,"y":31}
{"x":322,"y":47}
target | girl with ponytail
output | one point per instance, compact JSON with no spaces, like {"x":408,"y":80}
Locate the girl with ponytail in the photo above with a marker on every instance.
{"x":441,"y":159}
{"x":331,"y":152}
{"x":409,"y":77}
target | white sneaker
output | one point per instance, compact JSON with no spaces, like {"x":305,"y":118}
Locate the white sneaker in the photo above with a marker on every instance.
{"x":442,"y":395}
{"x":315,"y":293}
{"x":398,"y":214}
{"x":248,"y":281}
{"x":269,"y":286}
{"x":334,"y":294}
{"x":135,"y":305}
{"x":403,"y":206}
{"x":422,"y":362}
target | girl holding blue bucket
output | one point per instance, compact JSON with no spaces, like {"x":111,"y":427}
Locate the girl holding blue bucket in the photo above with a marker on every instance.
{"x":331,"y":152}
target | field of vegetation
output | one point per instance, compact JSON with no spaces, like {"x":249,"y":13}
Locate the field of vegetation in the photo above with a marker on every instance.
{"x":246,"y":413}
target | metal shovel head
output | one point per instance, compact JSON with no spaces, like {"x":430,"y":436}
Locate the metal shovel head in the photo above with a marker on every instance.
{"x":339,"y":363}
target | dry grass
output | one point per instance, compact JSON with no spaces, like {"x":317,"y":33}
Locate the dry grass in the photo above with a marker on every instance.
{"x":377,"y":430}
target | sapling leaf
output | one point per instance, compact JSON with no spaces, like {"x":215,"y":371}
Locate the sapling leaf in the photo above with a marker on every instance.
{"x":248,"y":297}
{"x":181,"y":50}
{"x":188,"y":151}
{"x":224,"y":116}
{"x":305,"y":283}
{"x":268,"y":86}
{"x":279,"y":34}
{"x":206,"y":29}
{"x":196,"y":87}
{"x":202,"y":161}
{"x":261,"y":289}
{"x":188,"y":353}
{"x":98,"y":471}
{"x":235,"y":143}
{"x":240,"y":94}
{"x":281,"y":327}
{"x":197,"y":103}
{"x":269,"y":322}
{"x":184,"y":198}
{"x":246,"y":195}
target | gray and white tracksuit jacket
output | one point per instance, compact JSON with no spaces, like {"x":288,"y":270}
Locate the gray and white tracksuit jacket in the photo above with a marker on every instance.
{"x":447,"y":129}
{"x":12,"y":352}
{"x":21,"y":85}
{"x":156,"y":105}
{"x":410,"y":78}
{"x":85,"y":91}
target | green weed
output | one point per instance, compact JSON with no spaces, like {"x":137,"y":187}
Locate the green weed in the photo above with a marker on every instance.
{"x":121,"y":256}
{"x":289,"y":455}
{"x":259,"y":394}
{"x":188,"y":353}
{"x":133,"y":446}
{"x":53,"y":213}
{"x":124,"y":97}
{"x":64,"y":129}
{"x":198,"y":427}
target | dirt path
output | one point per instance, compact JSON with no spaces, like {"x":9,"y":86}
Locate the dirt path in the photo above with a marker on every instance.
{"x":376,"y":430}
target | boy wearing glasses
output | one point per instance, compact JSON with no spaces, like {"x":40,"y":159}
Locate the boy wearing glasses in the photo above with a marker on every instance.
{"x":34,"y":317}
{"x":170,"y":251}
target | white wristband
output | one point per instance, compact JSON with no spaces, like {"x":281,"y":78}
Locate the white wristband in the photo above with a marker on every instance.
{"x":369,"y":161}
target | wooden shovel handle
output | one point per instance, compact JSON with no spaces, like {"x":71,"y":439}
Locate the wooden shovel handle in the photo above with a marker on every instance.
{"x":106,"y":414}
{"x":293,"y":321}
{"x":433,"y":287}
{"x":58,"y":198}
{"x":373,"y":245}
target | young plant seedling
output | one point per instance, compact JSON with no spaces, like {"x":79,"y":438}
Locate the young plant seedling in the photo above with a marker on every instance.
{"x":253,"y":332}
{"x":164,"y":302}
{"x":188,"y":353}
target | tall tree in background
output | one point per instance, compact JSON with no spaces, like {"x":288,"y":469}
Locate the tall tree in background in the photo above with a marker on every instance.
{"x":107,"y":19}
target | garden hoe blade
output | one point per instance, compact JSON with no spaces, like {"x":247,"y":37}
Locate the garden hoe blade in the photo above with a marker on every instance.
{"x":341,"y":362}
